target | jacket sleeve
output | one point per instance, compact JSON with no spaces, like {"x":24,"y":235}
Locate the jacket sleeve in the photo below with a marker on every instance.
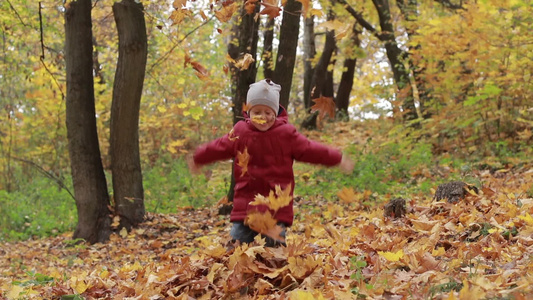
{"x":219,"y":149}
{"x":309,"y":151}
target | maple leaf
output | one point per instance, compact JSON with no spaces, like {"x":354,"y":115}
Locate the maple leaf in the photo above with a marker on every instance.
{"x":225,"y":14}
{"x":274,"y":201}
{"x":305,"y":8}
{"x":265,"y":224}
{"x":392,"y":256}
{"x":179,"y":15}
{"x":231,"y":137}
{"x":258,"y":120}
{"x":177,"y":4}
{"x":201,"y":71}
{"x":249,"y":6}
{"x":244,"y":62}
{"x":324,"y":105}
{"x":347,"y":195}
{"x":271,"y":8}
{"x":242,"y":160}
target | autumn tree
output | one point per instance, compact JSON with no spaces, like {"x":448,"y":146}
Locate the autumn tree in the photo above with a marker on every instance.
{"x":90,"y":188}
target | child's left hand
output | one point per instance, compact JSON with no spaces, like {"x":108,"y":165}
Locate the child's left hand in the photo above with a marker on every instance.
{"x":346,"y":165}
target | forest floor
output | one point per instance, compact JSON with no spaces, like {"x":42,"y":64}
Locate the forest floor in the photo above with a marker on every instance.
{"x":478,"y":248}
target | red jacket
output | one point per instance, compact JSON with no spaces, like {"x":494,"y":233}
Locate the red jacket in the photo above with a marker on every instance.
{"x":271,"y":155}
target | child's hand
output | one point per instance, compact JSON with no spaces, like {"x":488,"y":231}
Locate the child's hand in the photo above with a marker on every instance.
{"x":193,"y":167}
{"x":346,"y":164}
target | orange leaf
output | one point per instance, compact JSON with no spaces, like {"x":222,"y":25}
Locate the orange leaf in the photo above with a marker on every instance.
{"x":242,"y":160}
{"x":324,"y":105}
{"x":244,"y":62}
{"x":179,"y":15}
{"x":249,"y":6}
{"x":177,"y":4}
{"x":225,"y":14}
{"x":265,"y":224}
{"x":271,"y":8}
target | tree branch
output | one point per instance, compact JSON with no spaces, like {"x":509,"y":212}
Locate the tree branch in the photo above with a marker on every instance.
{"x":359,"y":18}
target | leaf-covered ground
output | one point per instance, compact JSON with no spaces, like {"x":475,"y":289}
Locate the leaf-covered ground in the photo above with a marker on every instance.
{"x":478,"y":248}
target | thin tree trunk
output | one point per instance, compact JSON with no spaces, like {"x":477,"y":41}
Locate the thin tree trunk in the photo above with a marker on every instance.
{"x":268,"y":38}
{"x":286,"y":57}
{"x":319,"y":81}
{"x":396,"y":58}
{"x":90,"y":188}
{"x":309,"y":51}
{"x":127,"y":90}
{"x":342,"y":101}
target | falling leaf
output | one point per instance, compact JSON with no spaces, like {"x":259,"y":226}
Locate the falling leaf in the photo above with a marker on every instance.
{"x":177,"y":4}
{"x":265,"y":224}
{"x":123,"y":232}
{"x":226,"y":12}
{"x":271,"y":8}
{"x":179,"y":15}
{"x":305,"y":8}
{"x":324,"y":105}
{"x":242,"y":160}
{"x":231,"y":137}
{"x":249,"y":6}
{"x":244,"y":62}
{"x":275,"y":200}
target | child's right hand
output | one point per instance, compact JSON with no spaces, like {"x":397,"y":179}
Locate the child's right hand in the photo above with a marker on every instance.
{"x":346,"y":165}
{"x":193,"y":167}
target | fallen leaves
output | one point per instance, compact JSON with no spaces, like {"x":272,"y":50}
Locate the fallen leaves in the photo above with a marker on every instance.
{"x":432,"y":252}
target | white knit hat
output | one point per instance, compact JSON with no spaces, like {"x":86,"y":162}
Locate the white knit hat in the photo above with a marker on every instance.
{"x":264,"y":92}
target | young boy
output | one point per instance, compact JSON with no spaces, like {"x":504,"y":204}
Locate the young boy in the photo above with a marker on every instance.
{"x":270,"y":144}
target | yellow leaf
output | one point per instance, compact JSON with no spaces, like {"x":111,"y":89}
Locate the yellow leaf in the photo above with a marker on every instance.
{"x":14,"y":292}
{"x":281,"y":198}
{"x":438,"y":252}
{"x":265,"y":224}
{"x":258,"y":120}
{"x":527,"y":218}
{"x":392,"y":256}
{"x":123,"y":232}
{"x":242,"y":160}
{"x":347,"y":195}
{"x":226,"y":12}
{"x":244,"y":62}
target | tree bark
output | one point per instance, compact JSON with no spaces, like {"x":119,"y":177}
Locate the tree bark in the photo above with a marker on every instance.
{"x":268,"y":38}
{"x":309,"y":52}
{"x":319,"y":85}
{"x":396,"y":58}
{"x":90,"y":188}
{"x":286,"y":57}
{"x":247,"y":33}
{"x":342,"y":101}
{"x":127,"y":90}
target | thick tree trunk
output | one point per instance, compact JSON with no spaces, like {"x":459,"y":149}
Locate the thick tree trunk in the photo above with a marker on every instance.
{"x":247,"y":33}
{"x":90,"y":188}
{"x":268,"y":38}
{"x":286,"y":57}
{"x":127,"y":90}
{"x":309,"y":51}
{"x":342,"y":101}
{"x":396,"y":58}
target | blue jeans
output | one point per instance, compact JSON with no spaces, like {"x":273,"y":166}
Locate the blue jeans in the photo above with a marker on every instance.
{"x":244,"y":234}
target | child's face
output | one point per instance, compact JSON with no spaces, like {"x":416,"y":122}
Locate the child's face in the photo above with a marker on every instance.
{"x":262,"y":117}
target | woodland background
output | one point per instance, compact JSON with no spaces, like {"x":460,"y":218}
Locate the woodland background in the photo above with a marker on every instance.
{"x":469,"y":66}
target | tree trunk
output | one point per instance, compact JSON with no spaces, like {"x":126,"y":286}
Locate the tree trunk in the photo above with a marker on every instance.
{"x":320,"y":76}
{"x":286,"y":57}
{"x":410,"y":12}
{"x":309,"y":52}
{"x":342,"y":101}
{"x":247,"y":33}
{"x":268,"y":38}
{"x":90,"y":188}
{"x":127,"y":90}
{"x":396,"y":58}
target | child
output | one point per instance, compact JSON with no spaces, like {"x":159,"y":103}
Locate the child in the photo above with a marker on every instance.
{"x":270,"y":145}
